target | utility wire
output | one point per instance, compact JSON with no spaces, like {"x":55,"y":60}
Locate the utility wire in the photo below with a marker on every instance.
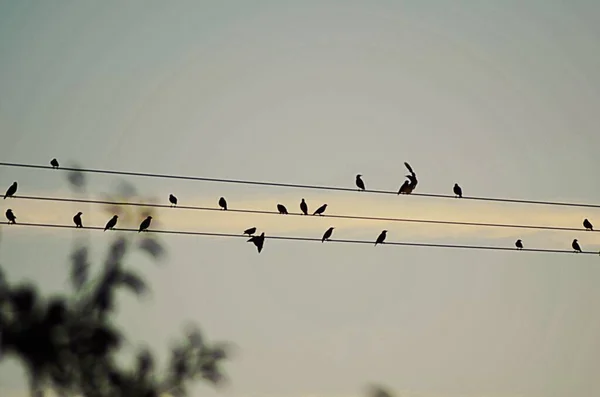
{"x":311,"y":239}
{"x":354,"y":217}
{"x":290,"y":185}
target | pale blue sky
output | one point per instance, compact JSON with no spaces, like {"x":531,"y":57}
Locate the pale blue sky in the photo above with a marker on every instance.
{"x":500,"y":96}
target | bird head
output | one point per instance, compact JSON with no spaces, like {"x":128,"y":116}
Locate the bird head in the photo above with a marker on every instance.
{"x":385,"y":231}
{"x":574,"y":240}
{"x":149,"y":217}
{"x":116,"y":216}
{"x":358,"y":175}
{"x":80,"y":213}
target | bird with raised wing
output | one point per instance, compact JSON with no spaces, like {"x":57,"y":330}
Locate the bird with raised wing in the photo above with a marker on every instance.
{"x":12,"y":189}
{"x":281,"y":208}
{"x":112,"y":222}
{"x":223,"y":203}
{"x":304,"y":207}
{"x":412,"y":177}
{"x":381,"y":237}
{"x":10,"y":216}
{"x":588,"y":225}
{"x":54,"y":163}
{"x":320,"y":210}
{"x":258,"y":241}
{"x":250,"y":231}
{"x":145,"y":224}
{"x":359,"y":182}
{"x":77,"y":220}
{"x":457,"y":190}
{"x":327,"y":234}
{"x":519,"y":244}
{"x":576,"y":246}
{"x":172,"y":200}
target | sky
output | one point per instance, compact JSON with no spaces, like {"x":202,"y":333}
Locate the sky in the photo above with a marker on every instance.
{"x":499,"y":96}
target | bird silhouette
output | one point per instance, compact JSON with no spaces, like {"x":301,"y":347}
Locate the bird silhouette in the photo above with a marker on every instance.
{"x":327,"y":234}
{"x":223,"y":203}
{"x":54,"y":163}
{"x":10,"y":216}
{"x":172,"y":199}
{"x":250,"y":231}
{"x":412,"y":178}
{"x":304,"y":207}
{"x":588,"y":225}
{"x":359,"y":182}
{"x":405,"y":188}
{"x":11,"y":190}
{"x":576,"y":246}
{"x":111,"y":223}
{"x":381,"y":237}
{"x":77,"y":220}
{"x":519,"y":244}
{"x":457,"y":190}
{"x":281,"y":208}
{"x":145,"y":224}
{"x":320,"y":210}
{"x":258,"y":241}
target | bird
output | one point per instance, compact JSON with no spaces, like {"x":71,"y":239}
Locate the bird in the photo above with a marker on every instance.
{"x":250,"y":231}
{"x":111,"y":223}
{"x":11,"y":190}
{"x":281,"y":208}
{"x":77,"y":220}
{"x":145,"y":224}
{"x":304,"y":207}
{"x":406,"y":188}
{"x":172,"y":199}
{"x":54,"y":163}
{"x":519,"y":244}
{"x":576,"y":246}
{"x":412,"y":177}
{"x":10,"y":216}
{"x":381,"y":237}
{"x":359,"y":182}
{"x":223,"y":203}
{"x":588,"y":225}
{"x":327,"y":234}
{"x":457,"y":190}
{"x":258,"y":241}
{"x":320,"y":210}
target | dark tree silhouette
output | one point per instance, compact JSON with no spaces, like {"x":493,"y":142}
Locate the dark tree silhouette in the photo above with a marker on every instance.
{"x":69,"y":343}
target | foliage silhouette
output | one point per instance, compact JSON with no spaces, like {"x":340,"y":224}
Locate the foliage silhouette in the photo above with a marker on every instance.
{"x":69,"y":343}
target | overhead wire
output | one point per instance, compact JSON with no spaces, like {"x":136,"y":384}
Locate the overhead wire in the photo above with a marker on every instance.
{"x":298,"y":186}
{"x":333,"y":216}
{"x":308,"y":239}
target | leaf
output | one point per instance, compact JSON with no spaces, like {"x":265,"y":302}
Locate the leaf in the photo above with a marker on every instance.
{"x":133,"y":282}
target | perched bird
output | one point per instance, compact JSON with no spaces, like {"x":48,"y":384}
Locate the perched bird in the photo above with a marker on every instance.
{"x":327,"y":234}
{"x":412,"y":177}
{"x":281,"y":208}
{"x":519,"y":244}
{"x":258,"y":241}
{"x":10,"y":216}
{"x":145,"y":224}
{"x":11,"y":190}
{"x":172,"y":199}
{"x":405,"y":188}
{"x":576,"y":246}
{"x":304,"y":207}
{"x":359,"y":182}
{"x":320,"y":210}
{"x":381,"y":237}
{"x":111,"y":223}
{"x":223,"y":203}
{"x":54,"y":163}
{"x":588,"y":225}
{"x":457,"y":190}
{"x":250,"y":231}
{"x":77,"y":220}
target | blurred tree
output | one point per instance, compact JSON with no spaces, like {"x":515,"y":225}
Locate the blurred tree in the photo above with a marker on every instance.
{"x":68,"y":343}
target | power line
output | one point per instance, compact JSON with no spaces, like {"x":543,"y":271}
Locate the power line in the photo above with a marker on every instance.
{"x":311,"y":239}
{"x":353,"y":217}
{"x":298,"y":186}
